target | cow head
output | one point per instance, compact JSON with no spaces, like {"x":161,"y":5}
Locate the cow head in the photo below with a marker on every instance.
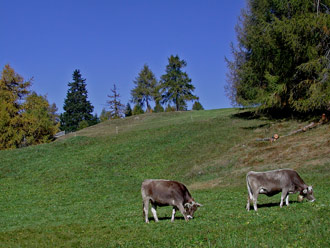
{"x":308,"y":193}
{"x":191,"y":207}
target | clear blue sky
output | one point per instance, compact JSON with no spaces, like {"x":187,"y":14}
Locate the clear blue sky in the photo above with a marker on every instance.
{"x":109,"y":42}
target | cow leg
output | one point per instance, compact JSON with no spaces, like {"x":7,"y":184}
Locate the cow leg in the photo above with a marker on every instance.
{"x":287,"y":200}
{"x":248,"y":203}
{"x":183,"y":212}
{"x":146,"y":210}
{"x":154,"y":213}
{"x":173,"y":214}
{"x":283,"y":196}
{"x":255,"y":199}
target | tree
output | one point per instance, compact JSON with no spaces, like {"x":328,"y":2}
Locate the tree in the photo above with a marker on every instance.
{"x":25,"y":118}
{"x":105,"y":115}
{"x":158,"y":107}
{"x":38,"y":117}
{"x":76,"y":106}
{"x":145,"y":88}
{"x":282,"y":60}
{"x":13,"y":89}
{"x":115,"y":106}
{"x":197,"y":106}
{"x":128,"y":111}
{"x":169,"y":108}
{"x":137,"y":110}
{"x":175,"y":85}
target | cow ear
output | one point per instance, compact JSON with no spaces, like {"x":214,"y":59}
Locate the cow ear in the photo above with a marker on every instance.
{"x":187,"y":205}
{"x":305,"y":191}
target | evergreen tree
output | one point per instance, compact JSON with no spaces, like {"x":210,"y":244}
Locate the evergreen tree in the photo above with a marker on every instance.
{"x":116,"y":108}
{"x":158,"y":107}
{"x":128,"y":111}
{"x":105,"y":115}
{"x":145,"y":88}
{"x":137,"y":110}
{"x":76,"y":106}
{"x":282,"y":60}
{"x":169,"y":108}
{"x":197,"y":106}
{"x":175,"y":85}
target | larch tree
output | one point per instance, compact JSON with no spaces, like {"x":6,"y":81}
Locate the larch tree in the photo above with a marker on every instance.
{"x":25,"y":118}
{"x":145,"y":87}
{"x":282,"y":60}
{"x":175,"y":84}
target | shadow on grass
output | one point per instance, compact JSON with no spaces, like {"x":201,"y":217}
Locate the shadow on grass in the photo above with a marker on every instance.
{"x":273,"y":204}
{"x":166,"y":218}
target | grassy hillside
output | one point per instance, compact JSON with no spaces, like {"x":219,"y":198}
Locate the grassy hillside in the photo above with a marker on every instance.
{"x":84,"y":189}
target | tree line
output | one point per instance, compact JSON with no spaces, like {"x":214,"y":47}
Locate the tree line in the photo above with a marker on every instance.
{"x":281,"y":63}
{"x":27,"y":118}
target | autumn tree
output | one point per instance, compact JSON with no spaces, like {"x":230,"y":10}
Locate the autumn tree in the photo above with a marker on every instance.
{"x":282,"y":60}
{"x":25,"y":118}
{"x":175,"y":84}
{"x":77,"y":107}
{"x":39,"y":120}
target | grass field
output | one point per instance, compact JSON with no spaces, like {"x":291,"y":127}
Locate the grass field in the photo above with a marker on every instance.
{"x":84,"y":189}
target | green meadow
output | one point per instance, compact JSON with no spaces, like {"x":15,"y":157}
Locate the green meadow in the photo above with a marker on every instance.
{"x":83,"y":190}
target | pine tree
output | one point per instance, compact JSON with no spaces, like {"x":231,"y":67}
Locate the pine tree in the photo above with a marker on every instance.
{"x":76,"y":106}
{"x":116,"y":108}
{"x":175,"y":85}
{"x":145,"y":88}
{"x":197,"y":106}
{"x":128,"y":111}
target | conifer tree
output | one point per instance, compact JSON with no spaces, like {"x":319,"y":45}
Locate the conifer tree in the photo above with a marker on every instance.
{"x":25,"y":118}
{"x":76,"y":106}
{"x":137,"y":110}
{"x":282,"y":61}
{"x":128,"y":111}
{"x":145,"y":88}
{"x":38,"y":117}
{"x":175,"y":85}
{"x":116,"y":108}
{"x":13,"y":89}
{"x":197,"y":106}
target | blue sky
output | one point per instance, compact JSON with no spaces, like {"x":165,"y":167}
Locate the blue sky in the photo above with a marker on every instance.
{"x":109,"y":42}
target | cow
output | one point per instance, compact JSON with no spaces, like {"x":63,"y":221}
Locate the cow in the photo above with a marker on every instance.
{"x":161,"y":192}
{"x":273,"y":182}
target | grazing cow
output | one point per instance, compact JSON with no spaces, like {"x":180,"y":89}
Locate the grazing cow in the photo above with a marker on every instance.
{"x":273,"y":182}
{"x":162,"y":192}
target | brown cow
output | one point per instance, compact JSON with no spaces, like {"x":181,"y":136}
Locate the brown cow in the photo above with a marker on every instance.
{"x":162,"y":192}
{"x":273,"y":182}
